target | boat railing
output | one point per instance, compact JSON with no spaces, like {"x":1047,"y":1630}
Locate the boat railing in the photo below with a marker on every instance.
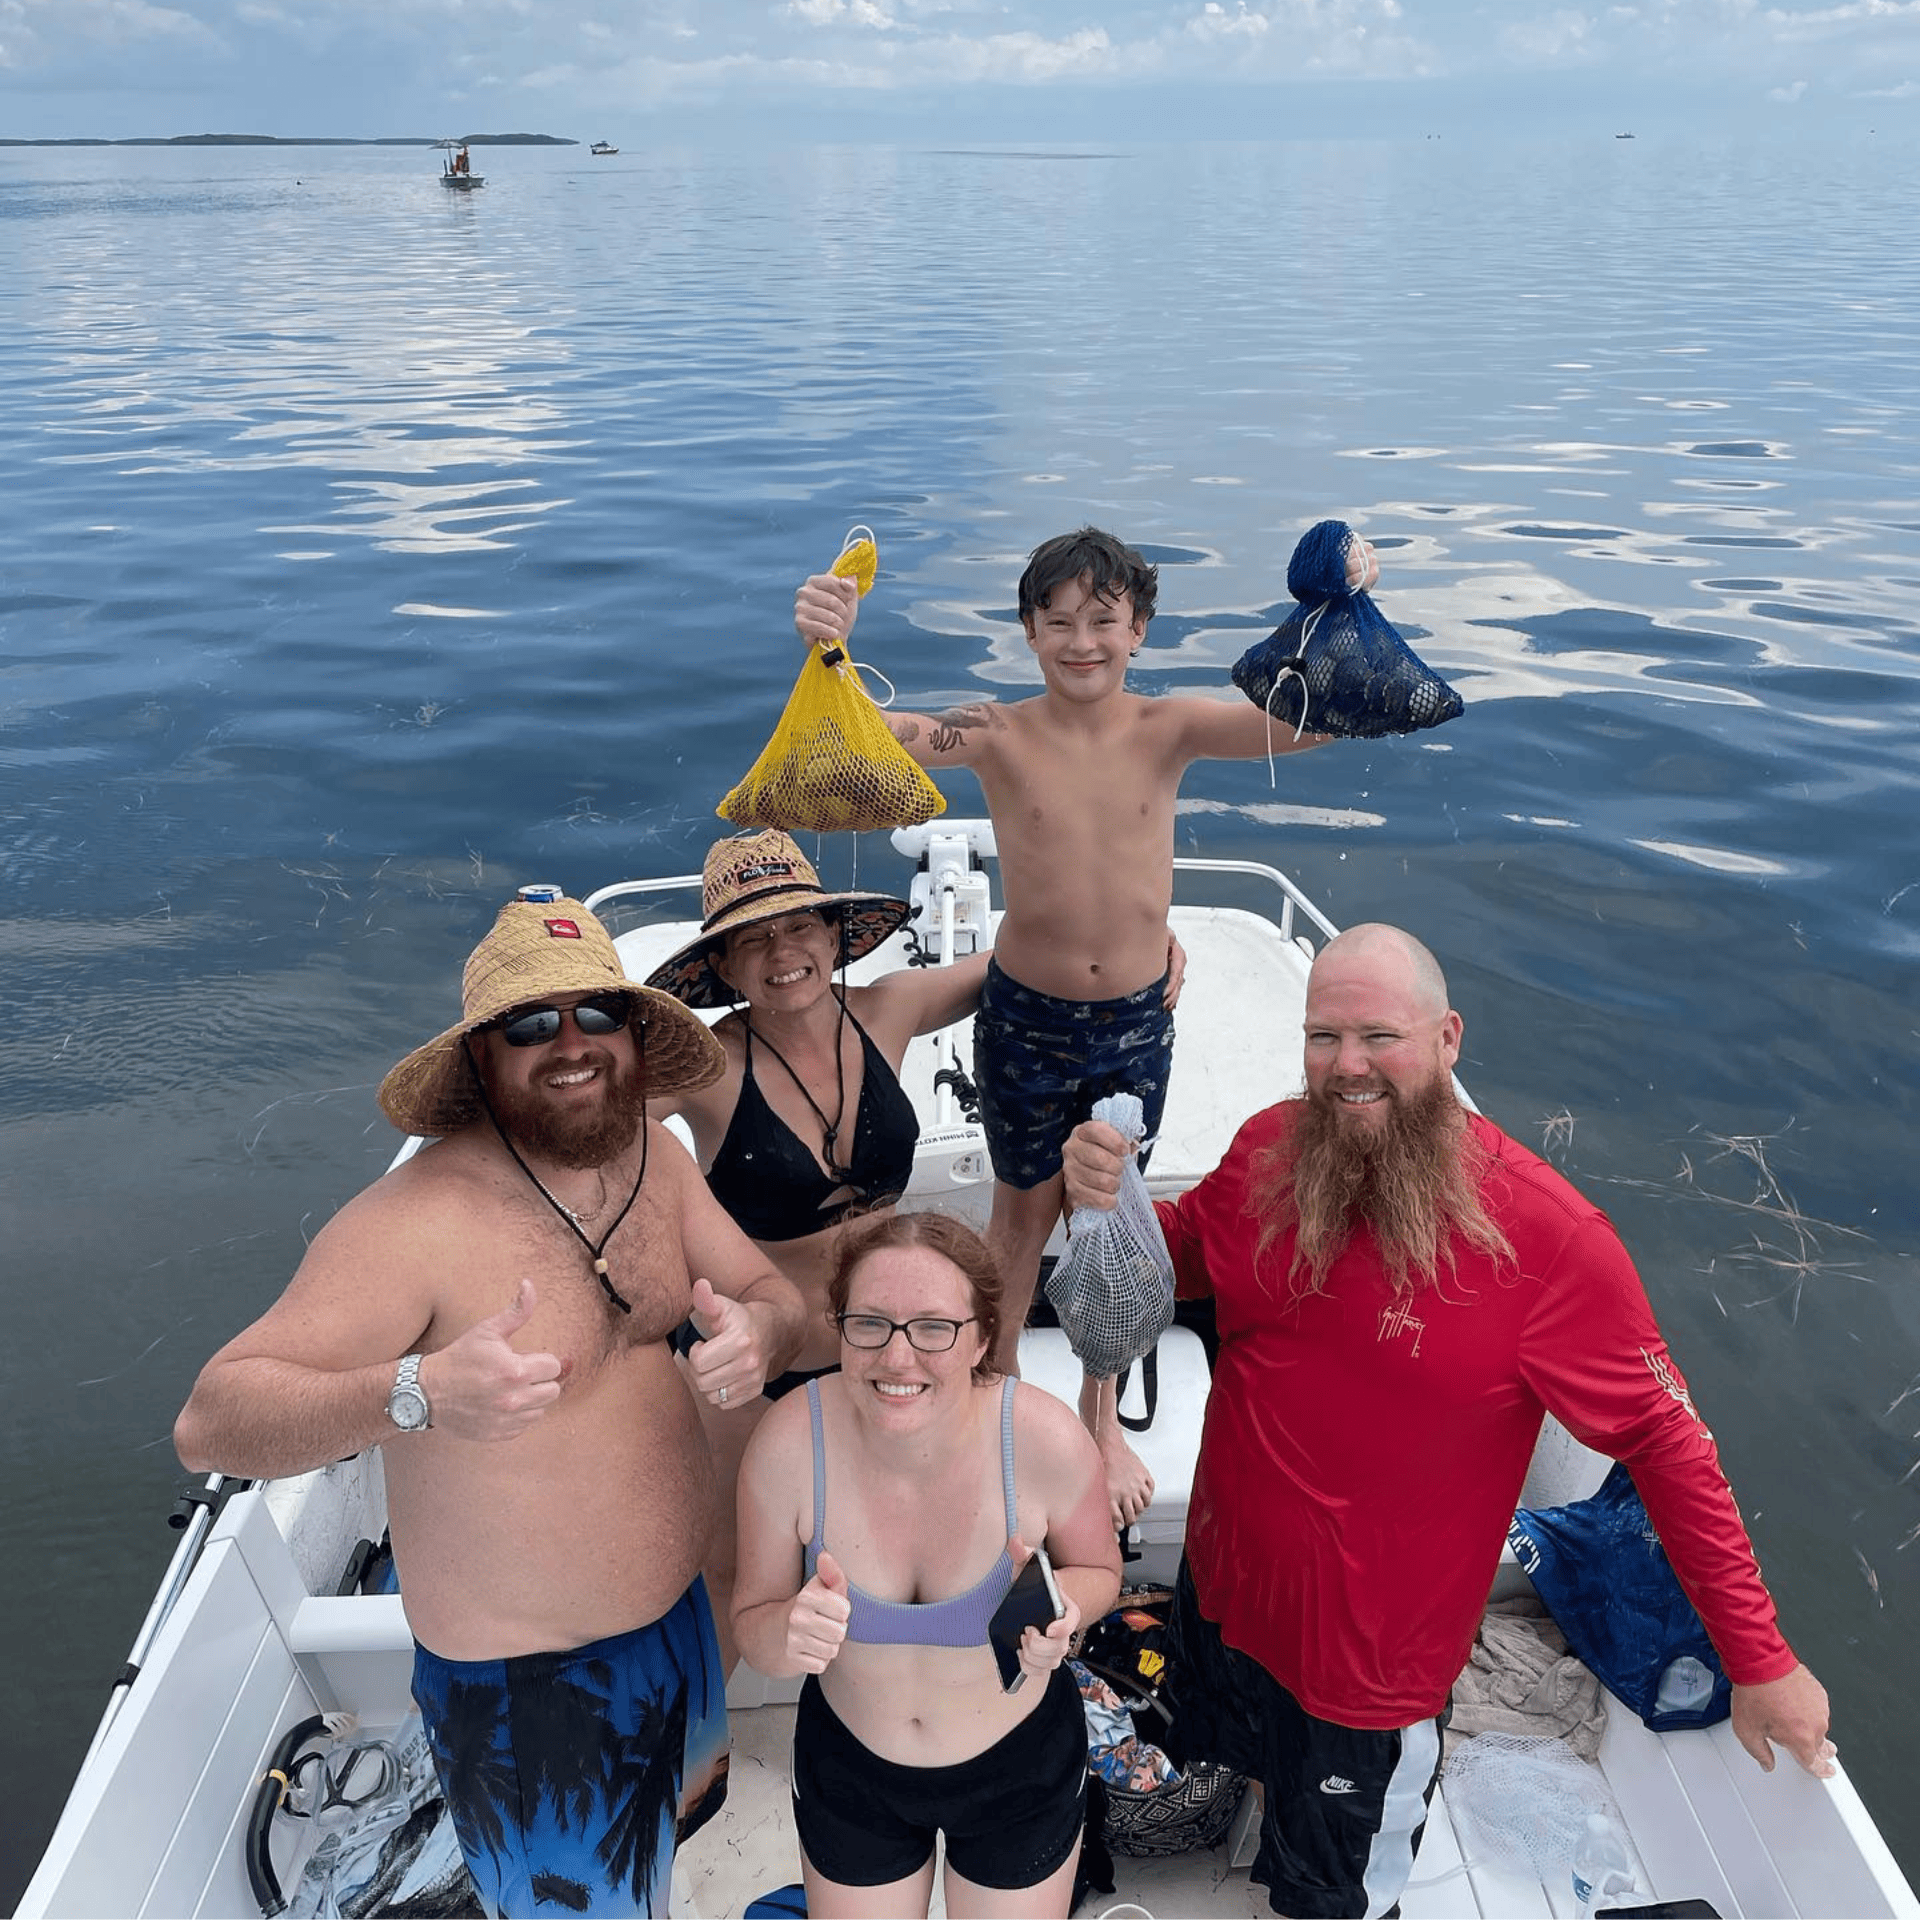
{"x":621,"y":888}
{"x":194,"y":1514}
{"x":1293,"y":900}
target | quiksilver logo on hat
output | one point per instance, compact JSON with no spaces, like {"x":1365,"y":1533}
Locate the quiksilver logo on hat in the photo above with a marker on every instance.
{"x":563,"y":929}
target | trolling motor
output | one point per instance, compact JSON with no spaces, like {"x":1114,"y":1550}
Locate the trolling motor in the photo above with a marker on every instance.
{"x":951,"y":900}
{"x":950,"y":894}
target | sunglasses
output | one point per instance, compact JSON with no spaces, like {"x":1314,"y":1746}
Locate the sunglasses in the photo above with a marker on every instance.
{"x":535,"y":1026}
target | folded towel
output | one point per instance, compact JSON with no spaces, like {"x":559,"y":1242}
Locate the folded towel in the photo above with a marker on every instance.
{"x":1520,"y":1678}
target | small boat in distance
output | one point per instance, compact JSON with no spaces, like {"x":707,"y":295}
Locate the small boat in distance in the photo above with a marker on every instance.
{"x":601,"y":147}
{"x":456,"y":169}
{"x":1623,"y":136}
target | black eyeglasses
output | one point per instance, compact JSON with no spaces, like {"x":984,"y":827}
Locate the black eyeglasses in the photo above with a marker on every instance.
{"x":535,"y":1026}
{"x":873,"y":1331}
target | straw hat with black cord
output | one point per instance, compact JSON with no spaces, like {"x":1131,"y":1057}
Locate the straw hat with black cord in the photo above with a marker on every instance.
{"x":761,"y":876}
{"x":537,"y":949}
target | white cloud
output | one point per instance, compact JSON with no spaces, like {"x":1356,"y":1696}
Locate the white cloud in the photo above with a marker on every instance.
{"x":1214,"y":22}
{"x":1551,"y":39}
{"x":1789,"y":93}
{"x":114,"y":23}
{"x":1020,"y":59}
{"x":1822,"y":22}
{"x":830,"y":13}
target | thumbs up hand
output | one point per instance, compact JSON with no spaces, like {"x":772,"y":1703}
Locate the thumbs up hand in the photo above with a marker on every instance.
{"x":480,"y":1388}
{"x":726,"y":1362}
{"x":817,"y":1620}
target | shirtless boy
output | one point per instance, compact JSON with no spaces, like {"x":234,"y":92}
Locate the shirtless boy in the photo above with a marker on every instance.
{"x":549,"y":1489}
{"x":1080,"y":781}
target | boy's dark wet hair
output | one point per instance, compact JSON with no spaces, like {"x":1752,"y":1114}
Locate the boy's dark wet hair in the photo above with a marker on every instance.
{"x":1110,"y":568}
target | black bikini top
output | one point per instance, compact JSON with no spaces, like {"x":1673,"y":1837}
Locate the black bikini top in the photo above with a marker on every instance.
{"x":774,"y":1188}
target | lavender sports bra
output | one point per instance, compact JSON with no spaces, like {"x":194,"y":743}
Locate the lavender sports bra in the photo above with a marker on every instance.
{"x":959,"y":1622}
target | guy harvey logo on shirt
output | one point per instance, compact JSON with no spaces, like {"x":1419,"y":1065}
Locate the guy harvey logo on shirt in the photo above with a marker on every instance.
{"x":1398,"y":1319}
{"x":1663,"y":1370}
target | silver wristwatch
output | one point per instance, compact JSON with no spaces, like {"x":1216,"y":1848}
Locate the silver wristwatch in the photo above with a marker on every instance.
{"x":407,"y":1403}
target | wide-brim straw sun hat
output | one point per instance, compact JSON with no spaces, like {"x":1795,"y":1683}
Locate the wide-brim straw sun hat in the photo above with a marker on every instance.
{"x":761,"y":876}
{"x":536,"y":950}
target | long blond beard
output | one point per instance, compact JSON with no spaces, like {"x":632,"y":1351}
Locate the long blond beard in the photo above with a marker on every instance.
{"x":1416,"y":1183}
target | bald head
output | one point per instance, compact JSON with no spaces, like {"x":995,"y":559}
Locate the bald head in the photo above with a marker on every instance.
{"x":1379,"y":1032}
{"x":1389,"y":955}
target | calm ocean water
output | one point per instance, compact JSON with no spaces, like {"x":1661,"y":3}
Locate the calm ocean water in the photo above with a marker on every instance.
{"x":367,"y":550}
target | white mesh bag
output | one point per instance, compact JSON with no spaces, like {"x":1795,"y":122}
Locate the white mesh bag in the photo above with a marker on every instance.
{"x":1520,"y":1802}
{"x":1113,"y":1287}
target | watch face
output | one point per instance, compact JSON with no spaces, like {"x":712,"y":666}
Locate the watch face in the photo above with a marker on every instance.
{"x":408,"y":1405}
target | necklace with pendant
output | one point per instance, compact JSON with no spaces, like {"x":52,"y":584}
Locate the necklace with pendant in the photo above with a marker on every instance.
{"x":569,"y":1219}
{"x":830,"y":1129}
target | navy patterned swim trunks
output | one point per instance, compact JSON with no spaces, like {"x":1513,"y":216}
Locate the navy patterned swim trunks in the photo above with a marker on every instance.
{"x":572,"y":1777}
{"x":1041,"y":1063}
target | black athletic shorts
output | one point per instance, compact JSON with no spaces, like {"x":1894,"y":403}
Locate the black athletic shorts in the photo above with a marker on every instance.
{"x":1012,"y":1815}
{"x":1346,"y":1806}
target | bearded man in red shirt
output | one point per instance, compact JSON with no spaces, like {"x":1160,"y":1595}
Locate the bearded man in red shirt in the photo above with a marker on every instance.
{"x":1402,"y":1292}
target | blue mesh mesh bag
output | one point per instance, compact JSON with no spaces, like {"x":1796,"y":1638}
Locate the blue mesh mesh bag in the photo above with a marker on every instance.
{"x":1334,"y":665}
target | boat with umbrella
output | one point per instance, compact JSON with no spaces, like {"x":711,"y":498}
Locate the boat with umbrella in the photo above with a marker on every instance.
{"x":456,"y":167}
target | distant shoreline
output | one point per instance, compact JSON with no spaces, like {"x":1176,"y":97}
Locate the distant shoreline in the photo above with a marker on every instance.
{"x":311,"y":140}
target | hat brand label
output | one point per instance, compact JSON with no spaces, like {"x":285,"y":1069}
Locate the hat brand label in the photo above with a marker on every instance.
{"x":765,"y":870}
{"x":563,"y":929}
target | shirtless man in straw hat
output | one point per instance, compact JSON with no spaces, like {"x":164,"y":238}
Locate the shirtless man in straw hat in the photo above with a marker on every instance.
{"x":494,"y":1313}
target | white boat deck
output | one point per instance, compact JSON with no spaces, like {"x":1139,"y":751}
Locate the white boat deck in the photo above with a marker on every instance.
{"x":251,"y":1651}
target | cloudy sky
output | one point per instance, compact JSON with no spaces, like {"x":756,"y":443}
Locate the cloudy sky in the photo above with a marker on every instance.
{"x":944,"y":70}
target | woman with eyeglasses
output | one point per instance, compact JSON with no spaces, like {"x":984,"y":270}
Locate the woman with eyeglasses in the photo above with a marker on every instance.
{"x":884,"y":1515}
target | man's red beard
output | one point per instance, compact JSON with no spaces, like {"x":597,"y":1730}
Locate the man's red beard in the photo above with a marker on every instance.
{"x":580,"y":1138}
{"x":1415,"y":1182}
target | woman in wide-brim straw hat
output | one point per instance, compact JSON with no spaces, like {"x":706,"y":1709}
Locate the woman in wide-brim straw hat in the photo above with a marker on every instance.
{"x":807,"y":1125}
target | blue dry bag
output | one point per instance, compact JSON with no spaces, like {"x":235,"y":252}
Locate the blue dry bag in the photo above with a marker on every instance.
{"x":1602,"y":1573}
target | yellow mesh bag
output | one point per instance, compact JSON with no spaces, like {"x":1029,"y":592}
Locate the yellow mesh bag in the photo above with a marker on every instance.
{"x":832,"y":766}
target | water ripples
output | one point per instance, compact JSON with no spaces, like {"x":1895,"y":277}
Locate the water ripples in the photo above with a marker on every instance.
{"x":370,"y":549}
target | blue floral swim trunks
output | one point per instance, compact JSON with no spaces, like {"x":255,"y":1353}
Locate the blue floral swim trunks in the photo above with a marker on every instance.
{"x":1041,"y":1063}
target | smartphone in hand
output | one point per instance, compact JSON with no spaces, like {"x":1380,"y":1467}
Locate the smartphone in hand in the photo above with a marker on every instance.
{"x":1032,"y":1601}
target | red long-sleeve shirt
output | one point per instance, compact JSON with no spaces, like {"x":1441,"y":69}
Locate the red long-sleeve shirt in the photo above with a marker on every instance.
{"x":1363,"y":1452}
